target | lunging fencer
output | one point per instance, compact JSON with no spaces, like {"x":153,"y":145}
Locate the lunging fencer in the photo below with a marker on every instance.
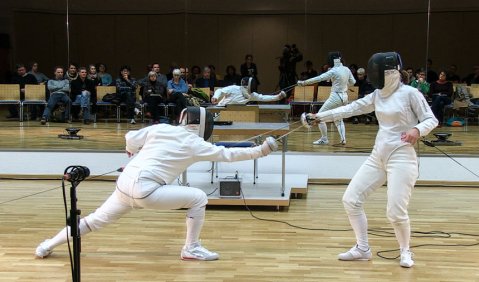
{"x":341,"y":77}
{"x":163,"y":152}
{"x":393,"y":159}
{"x":242,"y":94}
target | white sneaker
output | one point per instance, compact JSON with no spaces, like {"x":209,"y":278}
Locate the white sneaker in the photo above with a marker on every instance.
{"x":132,"y":121}
{"x":321,"y":141}
{"x":343,"y":142}
{"x":197,"y":252}
{"x":356,"y":254}
{"x":42,"y":250}
{"x":406,"y":258}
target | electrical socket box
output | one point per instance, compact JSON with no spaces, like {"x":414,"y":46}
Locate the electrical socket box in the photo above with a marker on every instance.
{"x":230,"y":188}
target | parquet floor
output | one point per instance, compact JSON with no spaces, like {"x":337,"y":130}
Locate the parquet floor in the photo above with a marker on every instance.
{"x":145,"y":244}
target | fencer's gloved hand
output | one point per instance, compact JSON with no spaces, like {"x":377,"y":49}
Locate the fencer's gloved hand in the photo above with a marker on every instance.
{"x":301,"y":83}
{"x":269,"y":145}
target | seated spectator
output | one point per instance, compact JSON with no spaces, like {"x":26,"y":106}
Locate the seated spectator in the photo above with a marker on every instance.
{"x":420,"y":83}
{"x":195,"y":73}
{"x":59,"y":88}
{"x":441,"y":94}
{"x":93,"y":75}
{"x":213,"y":73}
{"x":364,"y":88}
{"x":231,"y":77}
{"x":126,"y":91}
{"x":154,"y":93}
{"x":206,"y":80}
{"x":309,"y":72}
{"x":72,"y":72}
{"x":83,"y":91}
{"x":410,"y":76}
{"x":106,"y":78}
{"x":21,"y":77}
{"x":431,"y":75}
{"x":177,"y":90}
{"x":472,"y":78}
{"x":452,"y":74}
{"x":185,"y":75}
{"x":41,"y":78}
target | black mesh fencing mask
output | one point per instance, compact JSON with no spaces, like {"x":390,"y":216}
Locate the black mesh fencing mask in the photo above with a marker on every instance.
{"x":198,"y":121}
{"x":332,"y":56}
{"x":380,"y":62}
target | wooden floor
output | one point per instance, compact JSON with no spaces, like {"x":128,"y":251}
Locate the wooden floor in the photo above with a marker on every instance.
{"x":145,"y":244}
{"x":107,"y":136}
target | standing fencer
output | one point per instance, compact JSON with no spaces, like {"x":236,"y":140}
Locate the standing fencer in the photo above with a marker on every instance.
{"x":242,"y":94}
{"x":163,"y":152}
{"x":393,"y":159}
{"x":341,"y":77}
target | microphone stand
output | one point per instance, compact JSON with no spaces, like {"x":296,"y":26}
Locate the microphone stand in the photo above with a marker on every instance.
{"x":75,"y":231}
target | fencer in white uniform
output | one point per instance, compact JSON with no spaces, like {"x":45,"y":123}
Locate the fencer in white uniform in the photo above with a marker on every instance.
{"x":162,"y":152}
{"x":341,"y":77}
{"x":393,"y":159}
{"x":242,"y":94}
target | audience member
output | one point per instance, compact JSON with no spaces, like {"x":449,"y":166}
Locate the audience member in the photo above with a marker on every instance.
{"x":59,"y":88}
{"x":83,"y":92}
{"x":126,"y":91}
{"x":161,"y":77}
{"x":309,"y":72}
{"x":420,"y":82}
{"x":249,"y":69}
{"x":441,"y":92}
{"x":21,"y":77}
{"x":106,"y":78}
{"x":231,"y":77}
{"x":185,"y":75}
{"x":354,"y":68}
{"x":431,"y":75}
{"x":410,"y":76}
{"x":206,"y":80}
{"x":41,"y":78}
{"x":93,"y":75}
{"x":194,"y":74}
{"x":452,"y":74}
{"x":154,"y":93}
{"x":287,"y":67}
{"x":364,"y":88}
{"x":472,"y":78}
{"x":177,"y":92}
{"x":214,"y":74}
{"x":72,"y":72}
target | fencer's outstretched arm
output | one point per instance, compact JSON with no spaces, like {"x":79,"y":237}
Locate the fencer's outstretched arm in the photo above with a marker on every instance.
{"x":323,"y":77}
{"x":359,"y":107}
{"x":205,"y":151}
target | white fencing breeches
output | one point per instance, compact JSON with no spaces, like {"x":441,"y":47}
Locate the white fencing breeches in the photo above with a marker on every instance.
{"x":335,"y":100}
{"x":401,"y":172}
{"x":166,"y":197}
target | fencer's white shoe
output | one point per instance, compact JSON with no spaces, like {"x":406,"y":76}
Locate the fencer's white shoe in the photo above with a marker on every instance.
{"x":132,"y":121}
{"x":355,"y":253}
{"x":343,"y":142}
{"x":321,"y":141}
{"x":282,"y":95}
{"x":43,"y":250}
{"x":197,"y":252}
{"x":406,"y":258}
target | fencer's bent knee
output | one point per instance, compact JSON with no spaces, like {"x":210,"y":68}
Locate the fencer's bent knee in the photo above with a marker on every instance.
{"x":350,"y":204}
{"x":199,"y":205}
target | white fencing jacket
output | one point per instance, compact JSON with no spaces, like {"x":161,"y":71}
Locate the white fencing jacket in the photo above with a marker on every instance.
{"x":233,"y":94}
{"x":340,"y":76}
{"x":398,"y":108}
{"x":164,"y":151}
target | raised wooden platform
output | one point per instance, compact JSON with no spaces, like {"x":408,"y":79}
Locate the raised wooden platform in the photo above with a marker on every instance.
{"x":266,"y":192}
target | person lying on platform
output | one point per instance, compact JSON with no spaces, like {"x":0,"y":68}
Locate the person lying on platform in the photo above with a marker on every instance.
{"x":242,"y":94}
{"x":163,"y":152}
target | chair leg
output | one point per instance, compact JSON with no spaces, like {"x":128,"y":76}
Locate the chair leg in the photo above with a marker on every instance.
{"x":118,"y":113}
{"x":255,"y":170}
{"x":212,"y":171}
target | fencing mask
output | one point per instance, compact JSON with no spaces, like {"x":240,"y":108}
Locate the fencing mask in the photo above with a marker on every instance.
{"x":248,"y":85}
{"x":197,"y":120}
{"x":333,"y":56}
{"x":380,"y":62}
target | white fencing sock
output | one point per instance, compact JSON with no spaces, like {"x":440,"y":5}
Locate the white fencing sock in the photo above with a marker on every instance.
{"x":359,"y":223}
{"x":324,"y":130}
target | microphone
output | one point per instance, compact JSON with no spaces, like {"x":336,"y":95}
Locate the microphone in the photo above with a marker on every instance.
{"x":76,"y":173}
